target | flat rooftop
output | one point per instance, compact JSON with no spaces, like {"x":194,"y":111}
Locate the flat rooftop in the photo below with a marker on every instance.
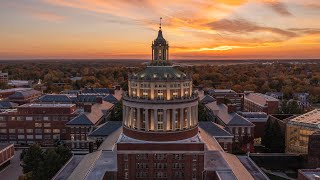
{"x":311,"y":118}
{"x":259,"y":98}
{"x":45,"y":105}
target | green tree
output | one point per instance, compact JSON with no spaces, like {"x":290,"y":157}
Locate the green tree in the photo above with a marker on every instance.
{"x":273,"y":139}
{"x":116,"y":114}
{"x":202,"y":112}
{"x":32,"y":159}
{"x":290,"y":107}
{"x":49,"y":166}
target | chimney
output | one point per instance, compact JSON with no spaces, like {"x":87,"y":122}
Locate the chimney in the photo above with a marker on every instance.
{"x":87,"y":108}
{"x":99,"y":99}
{"x":232,"y":108}
{"x":220,"y":100}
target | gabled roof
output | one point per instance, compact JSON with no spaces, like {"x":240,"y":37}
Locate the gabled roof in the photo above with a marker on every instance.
{"x":259,"y":98}
{"x":111,"y":99}
{"x":106,"y":129}
{"x":82,"y":119}
{"x":55,"y":98}
{"x":214,"y":129}
{"x":90,"y":118}
{"x":207,"y":99}
{"x":230,"y":119}
{"x":24,"y":94}
{"x":87,"y":98}
{"x":7,"y":105}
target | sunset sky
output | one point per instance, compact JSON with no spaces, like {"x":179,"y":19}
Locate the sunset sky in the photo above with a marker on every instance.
{"x":195,"y":29}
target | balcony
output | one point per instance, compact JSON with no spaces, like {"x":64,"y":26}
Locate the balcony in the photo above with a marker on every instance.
{"x":191,"y":98}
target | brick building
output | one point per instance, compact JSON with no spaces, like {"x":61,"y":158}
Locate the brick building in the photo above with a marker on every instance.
{"x":256,"y":102}
{"x":231,"y":95}
{"x":43,"y":123}
{"x":6,"y":154}
{"x":4,"y":77}
{"x":313,"y":150}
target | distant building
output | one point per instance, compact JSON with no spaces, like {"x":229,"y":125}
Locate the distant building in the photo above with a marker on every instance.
{"x":20,"y":83}
{"x":7,"y":105}
{"x":299,"y":129}
{"x":303,"y":99}
{"x":241,"y":128}
{"x":257,"y":102}
{"x":277,"y":95}
{"x":24,"y":96}
{"x":4,"y":77}
{"x":7,"y":92}
{"x":234,"y":97}
{"x":6,"y":154}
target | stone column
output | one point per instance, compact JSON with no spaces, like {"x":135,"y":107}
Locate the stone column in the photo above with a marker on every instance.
{"x":173,"y":120}
{"x":151,"y":90}
{"x":155,"y":118}
{"x":168,"y":91}
{"x":146,"y":117}
{"x":127,"y":116}
{"x":196,"y":118}
{"x":131,"y":117}
{"x":138,"y":90}
{"x":165,"y":119}
{"x":124,"y":115}
{"x":181,"y":118}
{"x":181,"y":89}
{"x":188,"y":117}
{"x":138,"y":119}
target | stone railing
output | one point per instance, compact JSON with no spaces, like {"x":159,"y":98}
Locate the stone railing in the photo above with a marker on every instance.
{"x":191,"y":98}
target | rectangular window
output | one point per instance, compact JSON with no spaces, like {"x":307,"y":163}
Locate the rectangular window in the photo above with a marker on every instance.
{"x":38,"y":136}
{"x":37,"y":124}
{"x":12,"y":130}
{"x":63,"y":131}
{"x":56,"y":131}
{"x":46,"y":124}
{"x":3,"y":124}
{"x":13,"y":118}
{"x":20,"y":130}
{"x":47,"y":130}
{"x":29,"y":130}
{"x":29,"y":118}
{"x":38,"y":131}
{"x":21,"y":137}
{"x":125,"y":157}
{"x":2,"y":118}
{"x":29,"y":136}
{"x":46,"y":118}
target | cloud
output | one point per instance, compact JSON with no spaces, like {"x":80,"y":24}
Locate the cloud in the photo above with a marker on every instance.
{"x":46,"y":16}
{"x":278,"y":7}
{"x":239,"y":26}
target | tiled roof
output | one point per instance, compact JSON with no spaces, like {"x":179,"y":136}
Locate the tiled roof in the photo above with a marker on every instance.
{"x":258,"y":98}
{"x":232,"y":119}
{"x":214,"y":129}
{"x":55,"y":98}
{"x":311,"y":118}
{"x":255,"y":116}
{"x":7,"y":105}
{"x":207,"y":99}
{"x":24,"y":94}
{"x":106,"y":129}
{"x":82,"y":119}
{"x":87,"y":98}
{"x":111,"y":99}
{"x":97,"y":112}
{"x":160,"y":72}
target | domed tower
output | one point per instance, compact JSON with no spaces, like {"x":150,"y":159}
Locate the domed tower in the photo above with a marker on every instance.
{"x":160,"y":123}
{"x":160,"y":104}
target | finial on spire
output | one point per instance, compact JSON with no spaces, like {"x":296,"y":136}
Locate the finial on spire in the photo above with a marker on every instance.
{"x":160,"y":23}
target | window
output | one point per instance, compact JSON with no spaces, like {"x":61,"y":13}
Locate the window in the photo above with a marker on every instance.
{"x":29,"y":130}
{"x":178,"y":165}
{"x":56,"y":131}
{"x":160,"y":94}
{"x":194,"y":157}
{"x":125,"y":156}
{"x":29,"y":136}
{"x":63,"y":131}
{"x":178,"y":156}
{"x":3,"y":130}
{"x":160,"y":156}
{"x":3,"y":124}
{"x":46,"y":118}
{"x":29,"y":118}
{"x":38,"y":136}
{"x":21,"y":137}
{"x":126,"y":175}
{"x":125,"y":166}
{"x":46,"y":124}
{"x":38,"y":131}
{"x":160,"y":119}
{"x":13,"y":118}
{"x":20,"y":130}
{"x":248,"y":131}
{"x":47,"y":136}
{"x":12,"y":131}
{"x":142,"y":156}
{"x":37,"y":124}
{"x":2,"y":118}
{"x":160,"y":175}
{"x":160,"y":165}
{"x":12,"y":137}
{"x":47,"y":130}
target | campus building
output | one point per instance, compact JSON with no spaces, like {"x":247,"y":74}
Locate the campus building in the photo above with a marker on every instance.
{"x":257,"y":102}
{"x":299,"y":129}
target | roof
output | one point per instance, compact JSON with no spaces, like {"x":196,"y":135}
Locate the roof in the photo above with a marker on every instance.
{"x":255,"y":116}
{"x":160,"y":73}
{"x":230,"y":119}
{"x":7,"y":105}
{"x":207,"y":99}
{"x":94,"y":165}
{"x":310,"y":173}
{"x":106,"y":129}
{"x":96,"y":90}
{"x":87,"y":98}
{"x":24,"y":94}
{"x":274,"y":93}
{"x":55,"y":98}
{"x":89,"y":118}
{"x":253,"y":169}
{"x":221,"y":91}
{"x":311,"y":118}
{"x":111,"y":99}
{"x":53,"y":105}
{"x":214,"y":129}
{"x":259,"y":98}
